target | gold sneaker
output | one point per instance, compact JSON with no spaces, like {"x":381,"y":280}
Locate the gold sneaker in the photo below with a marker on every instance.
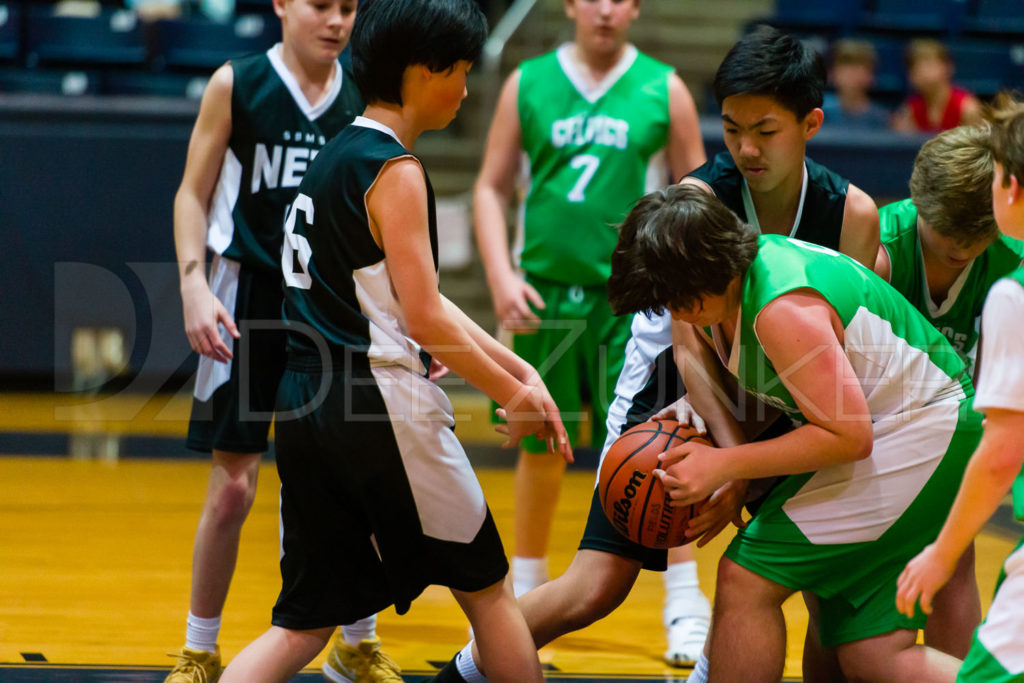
{"x":364,"y":664}
{"x":195,"y":666}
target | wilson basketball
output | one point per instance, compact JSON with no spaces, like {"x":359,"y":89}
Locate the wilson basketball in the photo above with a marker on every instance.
{"x":632,"y":496}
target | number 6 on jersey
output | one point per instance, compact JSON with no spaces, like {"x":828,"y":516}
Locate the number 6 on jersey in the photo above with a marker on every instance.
{"x":297,"y":243}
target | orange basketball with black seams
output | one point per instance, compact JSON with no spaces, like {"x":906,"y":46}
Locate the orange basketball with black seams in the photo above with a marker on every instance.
{"x":632,"y":496}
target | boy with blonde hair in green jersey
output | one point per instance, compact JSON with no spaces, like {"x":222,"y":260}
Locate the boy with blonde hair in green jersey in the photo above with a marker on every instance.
{"x":997,"y":651}
{"x":942,"y":250}
{"x":594,"y":124}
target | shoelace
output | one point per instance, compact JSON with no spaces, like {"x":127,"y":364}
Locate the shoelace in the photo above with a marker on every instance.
{"x":381,"y":661}
{"x":188,"y":667}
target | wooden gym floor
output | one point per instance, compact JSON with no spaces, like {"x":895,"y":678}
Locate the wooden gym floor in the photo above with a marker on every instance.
{"x":98,"y":506}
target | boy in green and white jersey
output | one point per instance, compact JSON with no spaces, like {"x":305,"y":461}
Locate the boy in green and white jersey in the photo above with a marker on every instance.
{"x":941,"y":248}
{"x":593,"y":125}
{"x":885,"y":426}
{"x":997,"y":653}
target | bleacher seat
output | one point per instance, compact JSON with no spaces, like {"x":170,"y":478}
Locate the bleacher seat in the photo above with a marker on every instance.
{"x":138,"y":83}
{"x":205,"y":45}
{"x":49,"y":82}
{"x":985,"y":68}
{"x":801,"y":17}
{"x":10,"y":31}
{"x":912,"y":16}
{"x":113,"y":36}
{"x":890,"y":72}
{"x":996,"y":17}
{"x":254,"y":7}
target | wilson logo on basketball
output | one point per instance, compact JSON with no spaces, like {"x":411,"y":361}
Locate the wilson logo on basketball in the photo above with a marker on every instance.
{"x":623,"y":504}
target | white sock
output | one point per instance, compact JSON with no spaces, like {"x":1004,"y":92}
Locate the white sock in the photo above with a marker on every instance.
{"x":201,"y":634}
{"x":356,"y":632}
{"x":700,"y":670}
{"x":528,"y":573}
{"x":467,"y":667}
{"x":683,"y":597}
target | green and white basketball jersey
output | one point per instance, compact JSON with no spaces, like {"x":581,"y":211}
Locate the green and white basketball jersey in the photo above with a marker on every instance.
{"x":592,"y":151}
{"x":916,"y":389}
{"x":901,"y":361}
{"x":959,"y":316}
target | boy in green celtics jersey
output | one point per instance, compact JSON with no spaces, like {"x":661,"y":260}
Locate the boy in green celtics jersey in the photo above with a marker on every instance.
{"x":997,"y":653}
{"x":599,"y":123}
{"x":882,"y":405}
{"x":942,"y":250}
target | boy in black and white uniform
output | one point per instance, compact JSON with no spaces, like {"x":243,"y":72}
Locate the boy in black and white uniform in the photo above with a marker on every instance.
{"x":365,"y":446}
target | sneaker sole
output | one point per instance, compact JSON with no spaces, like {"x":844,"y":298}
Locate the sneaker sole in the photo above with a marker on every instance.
{"x":332,"y":674}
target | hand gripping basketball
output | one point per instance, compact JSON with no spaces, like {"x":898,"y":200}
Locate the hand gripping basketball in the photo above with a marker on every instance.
{"x":633,"y":498}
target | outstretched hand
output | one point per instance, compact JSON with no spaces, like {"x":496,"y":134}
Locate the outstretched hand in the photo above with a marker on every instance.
{"x":534,"y":413}
{"x":921,"y":580}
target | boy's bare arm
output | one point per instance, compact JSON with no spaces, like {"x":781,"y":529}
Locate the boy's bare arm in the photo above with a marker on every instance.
{"x":685,"y":144}
{"x":989,"y":475}
{"x":401,"y":228}
{"x":797,"y":332}
{"x":859,"y":237}
{"x":206,"y":149}
{"x":492,"y":195}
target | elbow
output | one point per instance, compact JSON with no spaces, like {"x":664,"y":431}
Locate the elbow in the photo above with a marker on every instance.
{"x":860,"y":442}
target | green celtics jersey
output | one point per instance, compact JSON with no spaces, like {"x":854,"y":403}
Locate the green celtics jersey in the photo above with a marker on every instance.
{"x":959,"y":316}
{"x":901,"y":360}
{"x":855,"y":524}
{"x":592,"y":151}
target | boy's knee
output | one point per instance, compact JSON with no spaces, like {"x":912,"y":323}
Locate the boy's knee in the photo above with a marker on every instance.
{"x":232,"y":499}
{"x":595,"y":596}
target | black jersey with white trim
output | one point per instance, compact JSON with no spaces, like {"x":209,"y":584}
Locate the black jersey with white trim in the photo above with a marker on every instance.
{"x":822,"y":205}
{"x":338,"y":293}
{"x":275,"y":134}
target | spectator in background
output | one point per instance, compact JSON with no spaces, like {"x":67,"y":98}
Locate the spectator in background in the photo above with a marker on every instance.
{"x":936,"y":104}
{"x":852,"y":75}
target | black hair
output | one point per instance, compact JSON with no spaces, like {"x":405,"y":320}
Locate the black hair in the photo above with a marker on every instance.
{"x":768,"y":62}
{"x":677,"y":245}
{"x":390,"y":35}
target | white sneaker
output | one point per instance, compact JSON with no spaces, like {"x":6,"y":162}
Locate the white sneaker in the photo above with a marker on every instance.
{"x":686,"y":636}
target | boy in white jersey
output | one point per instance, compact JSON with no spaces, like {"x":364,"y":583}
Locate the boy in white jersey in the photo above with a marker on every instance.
{"x":997,"y":653}
{"x":594,"y":124}
{"x":232,"y":200}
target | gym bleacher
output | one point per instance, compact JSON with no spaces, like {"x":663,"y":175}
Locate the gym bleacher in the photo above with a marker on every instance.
{"x":985,"y":38}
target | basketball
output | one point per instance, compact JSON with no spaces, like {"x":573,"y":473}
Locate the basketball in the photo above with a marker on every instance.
{"x":632,"y":497}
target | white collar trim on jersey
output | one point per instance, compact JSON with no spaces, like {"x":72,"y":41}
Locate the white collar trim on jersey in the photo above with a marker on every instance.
{"x":312,"y":112}
{"x":376,"y":125}
{"x":952,"y":295}
{"x":748,"y":206}
{"x":587,"y":89}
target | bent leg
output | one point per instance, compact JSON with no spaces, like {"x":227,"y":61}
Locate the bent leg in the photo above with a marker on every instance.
{"x":228,"y":501}
{"x":895,"y":657}
{"x":590,"y":589}
{"x":748,"y":630}
{"x":276,"y":656}
{"x":506,"y":650}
